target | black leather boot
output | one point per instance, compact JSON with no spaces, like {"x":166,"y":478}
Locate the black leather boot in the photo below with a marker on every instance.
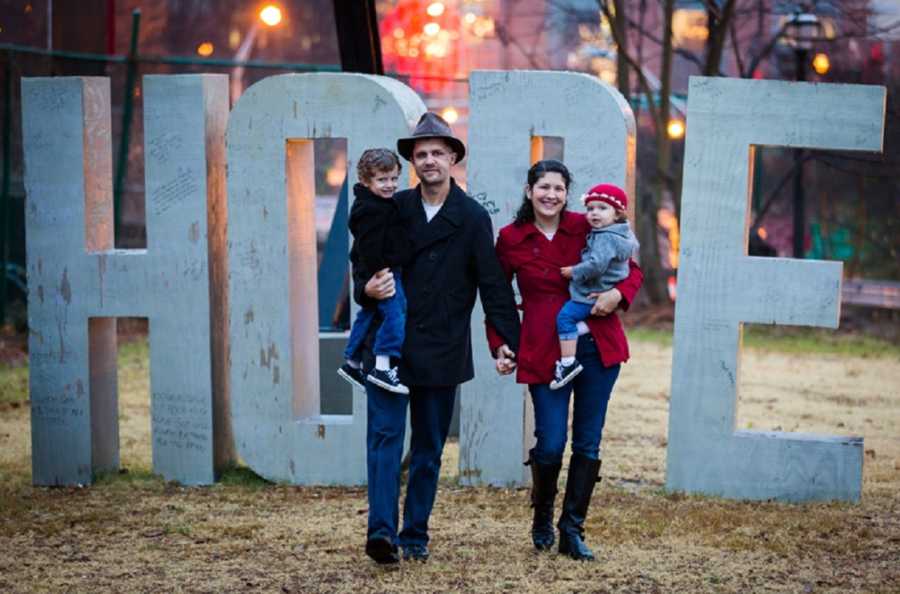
{"x":543,"y":494}
{"x":583,"y":475}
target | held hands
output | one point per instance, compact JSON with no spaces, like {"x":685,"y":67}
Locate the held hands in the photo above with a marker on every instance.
{"x":381,"y":285}
{"x":505,"y":362}
{"x":607,"y":302}
{"x":566,"y":271}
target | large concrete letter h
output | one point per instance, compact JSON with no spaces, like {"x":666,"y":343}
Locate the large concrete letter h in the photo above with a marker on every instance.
{"x":79,"y":283}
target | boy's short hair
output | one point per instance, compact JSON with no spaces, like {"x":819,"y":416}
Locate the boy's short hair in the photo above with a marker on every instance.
{"x":375,"y":160}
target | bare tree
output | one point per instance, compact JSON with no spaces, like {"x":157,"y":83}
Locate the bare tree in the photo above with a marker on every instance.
{"x":664,"y":181}
{"x":742,"y":38}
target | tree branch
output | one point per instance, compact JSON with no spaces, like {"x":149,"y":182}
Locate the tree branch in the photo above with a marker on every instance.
{"x":642,"y":79}
{"x":716,"y":43}
{"x":764,"y":52}
{"x":735,"y":47}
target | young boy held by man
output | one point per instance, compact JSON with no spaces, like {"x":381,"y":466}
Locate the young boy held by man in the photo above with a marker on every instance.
{"x":380,"y":240}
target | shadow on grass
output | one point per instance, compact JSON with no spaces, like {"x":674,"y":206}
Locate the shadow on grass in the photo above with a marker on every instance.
{"x":242,"y":476}
{"x":126,"y":478}
{"x":231,"y":476}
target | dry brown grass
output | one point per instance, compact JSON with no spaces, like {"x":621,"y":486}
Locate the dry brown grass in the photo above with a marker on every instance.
{"x":135,"y":533}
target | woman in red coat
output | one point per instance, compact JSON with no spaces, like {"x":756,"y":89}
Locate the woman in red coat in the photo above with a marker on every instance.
{"x":543,"y":239}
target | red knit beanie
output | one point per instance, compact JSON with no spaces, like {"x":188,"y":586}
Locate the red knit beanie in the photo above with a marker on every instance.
{"x":609,"y":193}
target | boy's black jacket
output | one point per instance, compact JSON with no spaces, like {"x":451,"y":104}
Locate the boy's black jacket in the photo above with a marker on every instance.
{"x":380,"y":239}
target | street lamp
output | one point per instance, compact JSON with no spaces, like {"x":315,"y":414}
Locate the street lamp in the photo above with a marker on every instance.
{"x":800,"y":31}
{"x":270,"y":16}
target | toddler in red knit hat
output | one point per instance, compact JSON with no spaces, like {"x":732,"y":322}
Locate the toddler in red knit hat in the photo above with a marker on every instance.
{"x":604,"y":263}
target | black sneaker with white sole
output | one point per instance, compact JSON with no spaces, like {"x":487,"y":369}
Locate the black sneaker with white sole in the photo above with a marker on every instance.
{"x":565,"y":373}
{"x":353,"y":375}
{"x":387,"y":379}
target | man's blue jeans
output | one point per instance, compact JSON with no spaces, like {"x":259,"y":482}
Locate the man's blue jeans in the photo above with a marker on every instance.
{"x":430,"y":411}
{"x":592,"y":388}
{"x":569,"y":316}
{"x":390,"y":335}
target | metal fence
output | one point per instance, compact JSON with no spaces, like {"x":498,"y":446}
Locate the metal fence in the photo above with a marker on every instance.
{"x":125,"y":72}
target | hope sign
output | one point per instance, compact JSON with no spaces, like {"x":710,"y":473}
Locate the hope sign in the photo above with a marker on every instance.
{"x":228,"y":279}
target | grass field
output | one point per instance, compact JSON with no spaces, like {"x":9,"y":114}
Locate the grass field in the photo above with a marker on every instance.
{"x":133,"y":532}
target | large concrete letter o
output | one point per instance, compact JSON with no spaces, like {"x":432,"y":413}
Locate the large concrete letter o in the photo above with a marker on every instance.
{"x":273,"y":326}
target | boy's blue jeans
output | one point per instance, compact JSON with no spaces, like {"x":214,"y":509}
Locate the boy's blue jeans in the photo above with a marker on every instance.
{"x":389,"y":338}
{"x":592,"y":388}
{"x":569,"y":316}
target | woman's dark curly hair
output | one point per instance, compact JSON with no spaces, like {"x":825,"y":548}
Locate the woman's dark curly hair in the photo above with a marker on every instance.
{"x":525,"y":213}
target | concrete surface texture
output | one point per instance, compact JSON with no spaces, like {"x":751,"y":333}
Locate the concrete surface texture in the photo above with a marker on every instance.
{"x":234,"y":338}
{"x":510,"y":113}
{"x":273,"y":329}
{"x":720,"y":288}
{"x":80,"y":283}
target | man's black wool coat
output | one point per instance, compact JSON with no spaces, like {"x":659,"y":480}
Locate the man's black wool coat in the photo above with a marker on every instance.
{"x":452,"y":259}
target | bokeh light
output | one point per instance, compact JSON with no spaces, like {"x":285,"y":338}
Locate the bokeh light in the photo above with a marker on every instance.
{"x":270,"y":15}
{"x":675,"y":129}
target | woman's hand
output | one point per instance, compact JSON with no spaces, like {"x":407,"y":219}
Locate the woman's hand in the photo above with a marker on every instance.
{"x":606,"y":303}
{"x":566,"y":271}
{"x":381,"y":285}
{"x":505,"y":362}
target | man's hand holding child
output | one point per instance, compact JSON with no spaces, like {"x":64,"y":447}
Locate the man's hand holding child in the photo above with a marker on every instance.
{"x":381,"y":286}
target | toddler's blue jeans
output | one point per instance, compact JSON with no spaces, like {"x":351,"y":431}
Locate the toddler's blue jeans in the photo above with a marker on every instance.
{"x":569,"y":316}
{"x":389,"y":338}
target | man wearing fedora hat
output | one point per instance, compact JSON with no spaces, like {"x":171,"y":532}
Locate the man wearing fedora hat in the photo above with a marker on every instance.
{"x":453,"y":259}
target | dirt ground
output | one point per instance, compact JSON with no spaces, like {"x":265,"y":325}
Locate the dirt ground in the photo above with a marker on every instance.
{"x":135,"y":533}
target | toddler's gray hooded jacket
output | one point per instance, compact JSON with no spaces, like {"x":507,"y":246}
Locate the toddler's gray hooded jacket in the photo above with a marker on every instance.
{"x":604,"y":261}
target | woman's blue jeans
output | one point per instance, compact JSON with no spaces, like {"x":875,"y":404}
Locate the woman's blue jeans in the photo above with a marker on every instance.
{"x":592,"y":388}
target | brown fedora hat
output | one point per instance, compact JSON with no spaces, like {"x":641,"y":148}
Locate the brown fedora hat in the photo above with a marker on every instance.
{"x":431,"y":125}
